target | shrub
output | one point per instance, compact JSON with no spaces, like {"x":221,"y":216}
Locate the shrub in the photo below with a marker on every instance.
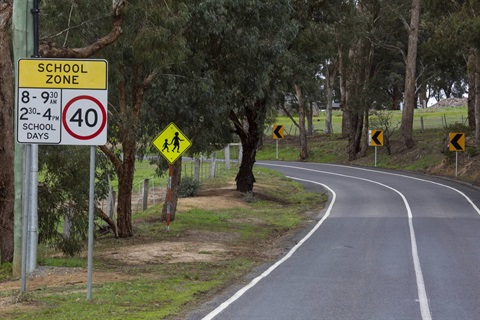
{"x":188,"y":187}
{"x":249,"y":197}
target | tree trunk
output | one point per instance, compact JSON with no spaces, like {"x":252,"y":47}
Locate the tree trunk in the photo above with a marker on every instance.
{"x":364,"y":139}
{"x":343,"y":91}
{"x":7,"y":146}
{"x":471,"y":88}
{"x":330,"y":79}
{"x":176,"y":179}
{"x":107,"y":219}
{"x":249,"y":136}
{"x":125,"y":186}
{"x":406,"y":127}
{"x":301,"y":122}
{"x":395,"y":98}
{"x":477,"y":98}
{"x":310,"y":129}
{"x":127,"y":127}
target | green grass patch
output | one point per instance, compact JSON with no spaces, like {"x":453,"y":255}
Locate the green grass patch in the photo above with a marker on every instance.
{"x":163,"y":290}
{"x":5,"y":271}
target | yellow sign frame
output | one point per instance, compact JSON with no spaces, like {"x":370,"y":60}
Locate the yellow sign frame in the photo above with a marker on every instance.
{"x":280,"y":131}
{"x":453,"y":140}
{"x":379,"y":138}
{"x":62,"y":73}
{"x":168,"y":140}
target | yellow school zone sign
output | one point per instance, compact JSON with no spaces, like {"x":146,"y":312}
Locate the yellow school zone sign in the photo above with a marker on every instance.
{"x":171,"y":143}
{"x":62,"y":74}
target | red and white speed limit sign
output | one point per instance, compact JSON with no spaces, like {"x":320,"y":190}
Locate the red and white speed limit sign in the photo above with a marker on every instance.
{"x":84,"y":118}
{"x":62,"y":101}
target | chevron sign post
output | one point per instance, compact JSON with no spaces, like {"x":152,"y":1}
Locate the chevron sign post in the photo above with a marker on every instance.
{"x":375,"y":138}
{"x":456,"y":143}
{"x":278,"y":133}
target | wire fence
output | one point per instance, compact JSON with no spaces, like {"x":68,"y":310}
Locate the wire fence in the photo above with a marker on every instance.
{"x":152,"y":190}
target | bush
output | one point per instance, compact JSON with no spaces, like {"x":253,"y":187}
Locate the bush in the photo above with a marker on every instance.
{"x":249,"y":197}
{"x":188,"y":187}
{"x":70,"y":246}
{"x":458,"y":127}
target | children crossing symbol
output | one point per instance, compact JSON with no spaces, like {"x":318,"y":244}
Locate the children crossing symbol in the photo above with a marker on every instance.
{"x":171,"y":136}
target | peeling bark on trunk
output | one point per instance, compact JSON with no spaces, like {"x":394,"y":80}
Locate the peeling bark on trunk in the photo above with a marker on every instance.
{"x":477,"y":98}
{"x":330,"y":79}
{"x":406,"y":127}
{"x":301,"y":123}
{"x":127,"y":126}
{"x":366,"y":126}
{"x":7,"y":188}
{"x":471,"y":89}
{"x":176,"y":179}
{"x":310,"y":130}
{"x":343,"y":91}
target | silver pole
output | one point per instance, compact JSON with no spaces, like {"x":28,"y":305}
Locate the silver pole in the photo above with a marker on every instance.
{"x":276,"y":152}
{"x":32,"y":204}
{"x":456,"y":163}
{"x":375,"y":156}
{"x":25,"y":219}
{"x":91,"y":203}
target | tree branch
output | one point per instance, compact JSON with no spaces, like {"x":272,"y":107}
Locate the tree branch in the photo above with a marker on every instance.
{"x":239,"y":129}
{"x":113,"y":158}
{"x":109,"y":221}
{"x":50,"y":49}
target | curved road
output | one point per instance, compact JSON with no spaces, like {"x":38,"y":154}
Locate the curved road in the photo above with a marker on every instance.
{"x":388,"y":246}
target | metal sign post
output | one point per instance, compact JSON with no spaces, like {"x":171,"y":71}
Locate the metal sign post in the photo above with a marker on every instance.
{"x":456,"y":143}
{"x":276,"y":149}
{"x":278,"y":133}
{"x":91,"y":208}
{"x":62,"y":102}
{"x":169,"y":196}
{"x":375,"y":138}
{"x":456,"y":163}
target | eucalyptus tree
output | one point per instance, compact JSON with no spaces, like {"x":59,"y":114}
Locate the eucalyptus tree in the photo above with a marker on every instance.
{"x":7,"y":189}
{"x":151,"y":42}
{"x":151,"y":39}
{"x":184,"y":96}
{"x":406,"y":126}
{"x":302,"y":65}
{"x":108,"y":14}
{"x":241,"y":42}
{"x":456,"y":30}
{"x":355,"y":56}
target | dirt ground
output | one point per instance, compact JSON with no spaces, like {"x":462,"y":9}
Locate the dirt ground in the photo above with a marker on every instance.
{"x":195,"y":246}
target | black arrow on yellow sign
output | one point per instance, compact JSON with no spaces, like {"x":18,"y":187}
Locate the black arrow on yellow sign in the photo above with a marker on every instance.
{"x":457,"y":141}
{"x":377,"y":138}
{"x":278,"y":132}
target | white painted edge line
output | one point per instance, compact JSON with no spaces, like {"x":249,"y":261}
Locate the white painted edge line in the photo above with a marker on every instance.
{"x":414,"y":178}
{"x":422,"y":293}
{"x":240,"y":292}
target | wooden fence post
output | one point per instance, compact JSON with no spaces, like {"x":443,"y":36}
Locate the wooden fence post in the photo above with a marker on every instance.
{"x":146,"y":183}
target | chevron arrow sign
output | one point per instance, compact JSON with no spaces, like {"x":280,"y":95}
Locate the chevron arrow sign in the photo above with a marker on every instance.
{"x":457,"y":141}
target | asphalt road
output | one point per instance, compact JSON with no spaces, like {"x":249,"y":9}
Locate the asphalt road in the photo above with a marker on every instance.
{"x":389,"y":245}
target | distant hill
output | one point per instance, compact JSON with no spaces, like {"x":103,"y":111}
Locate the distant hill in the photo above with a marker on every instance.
{"x":450,"y":102}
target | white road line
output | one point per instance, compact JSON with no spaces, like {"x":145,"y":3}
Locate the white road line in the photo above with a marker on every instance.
{"x":422,"y":293}
{"x":414,"y":178}
{"x":240,"y":292}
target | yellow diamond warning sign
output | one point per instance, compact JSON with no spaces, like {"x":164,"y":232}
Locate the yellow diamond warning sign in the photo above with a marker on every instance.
{"x":171,"y":143}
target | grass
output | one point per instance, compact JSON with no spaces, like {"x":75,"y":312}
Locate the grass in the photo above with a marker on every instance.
{"x":157,"y":291}
{"x":432,"y":119}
